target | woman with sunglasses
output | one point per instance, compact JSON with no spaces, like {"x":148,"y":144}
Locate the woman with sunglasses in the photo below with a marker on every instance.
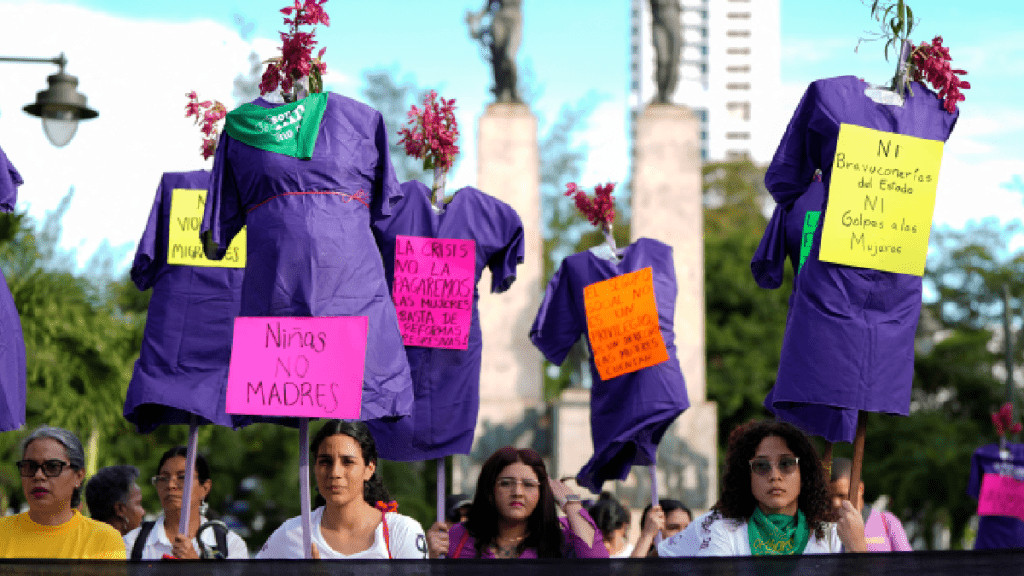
{"x":52,"y":472}
{"x":776,"y":499}
{"x":513,"y":515}
{"x":160,"y":539}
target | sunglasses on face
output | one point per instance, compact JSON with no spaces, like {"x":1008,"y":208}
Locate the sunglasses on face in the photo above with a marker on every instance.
{"x":510,"y":483}
{"x":51,"y":468}
{"x":763,"y":466}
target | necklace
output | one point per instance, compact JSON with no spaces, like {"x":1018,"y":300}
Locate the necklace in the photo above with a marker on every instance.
{"x":511,"y":550}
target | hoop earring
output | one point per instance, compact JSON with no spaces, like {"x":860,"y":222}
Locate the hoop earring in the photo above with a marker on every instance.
{"x":203,"y":507}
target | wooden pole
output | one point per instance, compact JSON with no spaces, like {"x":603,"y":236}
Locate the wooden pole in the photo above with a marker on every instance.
{"x":826,"y":461}
{"x":858,"y":456}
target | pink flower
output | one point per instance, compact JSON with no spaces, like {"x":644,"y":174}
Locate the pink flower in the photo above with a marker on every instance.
{"x":208,"y":114}
{"x":931,"y":63}
{"x":296,"y":59}
{"x":432,"y":132}
{"x":601,"y":210}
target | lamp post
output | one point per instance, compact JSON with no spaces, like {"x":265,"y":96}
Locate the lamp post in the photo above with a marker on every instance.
{"x":60,"y":106}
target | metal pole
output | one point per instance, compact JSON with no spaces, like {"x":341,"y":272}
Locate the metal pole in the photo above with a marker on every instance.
{"x":190,"y":466}
{"x":655,"y":501}
{"x":440,"y":490}
{"x":307,"y":534}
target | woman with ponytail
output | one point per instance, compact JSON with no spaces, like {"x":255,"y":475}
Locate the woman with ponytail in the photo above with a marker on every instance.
{"x":357,"y":520}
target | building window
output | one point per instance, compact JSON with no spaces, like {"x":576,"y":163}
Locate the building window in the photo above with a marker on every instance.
{"x":737,"y":86}
{"x":739,"y":109}
{"x":737,"y":51}
{"x":738,"y":15}
{"x":734,"y":155}
{"x":737,"y":135}
{"x":635,"y":85}
{"x":744,"y":69}
{"x":738,"y":33}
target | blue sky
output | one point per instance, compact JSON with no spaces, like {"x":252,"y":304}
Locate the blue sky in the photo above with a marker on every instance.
{"x":135,"y":60}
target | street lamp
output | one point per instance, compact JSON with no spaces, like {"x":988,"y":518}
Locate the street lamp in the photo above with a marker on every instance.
{"x":60,"y":106}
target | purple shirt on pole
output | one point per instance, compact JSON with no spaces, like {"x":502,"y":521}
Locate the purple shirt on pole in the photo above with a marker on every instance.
{"x":849,"y":341}
{"x":12,"y":341}
{"x":997,"y":531}
{"x":310,"y":249}
{"x":182,"y":368}
{"x":629,"y":413}
{"x":446,"y":382}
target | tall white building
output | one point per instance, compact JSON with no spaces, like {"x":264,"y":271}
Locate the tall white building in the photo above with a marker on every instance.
{"x":729,"y":72}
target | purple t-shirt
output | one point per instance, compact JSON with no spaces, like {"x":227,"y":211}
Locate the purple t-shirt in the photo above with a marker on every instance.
{"x":784,"y":235}
{"x":310,"y":249}
{"x":182,"y":368}
{"x":629,"y":413}
{"x":446,"y":383}
{"x":462,"y":545}
{"x":997,"y":531}
{"x":12,"y":341}
{"x":849,"y":341}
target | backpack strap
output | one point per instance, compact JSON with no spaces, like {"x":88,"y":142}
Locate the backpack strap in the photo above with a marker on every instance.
{"x":140,"y":541}
{"x":220,"y":533}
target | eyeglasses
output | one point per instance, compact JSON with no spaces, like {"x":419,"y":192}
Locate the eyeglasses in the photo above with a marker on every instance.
{"x":763,"y":466}
{"x":51,"y":468}
{"x":163,"y":480}
{"x":510,"y":483}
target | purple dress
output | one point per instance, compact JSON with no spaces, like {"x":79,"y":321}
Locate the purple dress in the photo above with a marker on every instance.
{"x":12,"y":341}
{"x":310,"y":249}
{"x":446,"y":383}
{"x":849,"y":342}
{"x":783,"y":237}
{"x":629,"y":413}
{"x":183,"y":365}
{"x":997,"y":531}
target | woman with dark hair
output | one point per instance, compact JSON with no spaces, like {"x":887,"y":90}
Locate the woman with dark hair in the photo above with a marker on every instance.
{"x":114,"y":497}
{"x":160,"y":539}
{"x":358,"y":520}
{"x":52,"y":471}
{"x":613,"y":521}
{"x":669,"y":518}
{"x":513,"y":515}
{"x":776,"y":499}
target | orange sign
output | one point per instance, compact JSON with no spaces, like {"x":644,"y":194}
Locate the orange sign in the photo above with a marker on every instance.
{"x":622,"y":321}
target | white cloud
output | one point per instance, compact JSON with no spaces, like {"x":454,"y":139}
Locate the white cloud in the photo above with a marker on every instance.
{"x":135,"y":73}
{"x":605,"y":136}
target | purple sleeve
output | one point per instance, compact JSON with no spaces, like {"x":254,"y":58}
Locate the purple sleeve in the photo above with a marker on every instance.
{"x":10,"y":179}
{"x":769,"y":262}
{"x":503,"y":262}
{"x":897,"y":536}
{"x":152,"y":251}
{"x":974,"y":483}
{"x":386,"y":191}
{"x":793,"y":165}
{"x":457,"y":547}
{"x":224,"y":215}
{"x":556,"y":329}
{"x":581,"y":549}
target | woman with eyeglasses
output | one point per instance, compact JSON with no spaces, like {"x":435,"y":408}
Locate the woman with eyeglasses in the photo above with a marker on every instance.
{"x":52,"y":471}
{"x":514,"y":516}
{"x":160,"y":539}
{"x":358,"y":520}
{"x":776,"y":499}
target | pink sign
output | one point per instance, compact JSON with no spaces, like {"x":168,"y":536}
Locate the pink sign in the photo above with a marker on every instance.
{"x":304,"y":367}
{"x":434,"y":283}
{"x":1001,"y":496}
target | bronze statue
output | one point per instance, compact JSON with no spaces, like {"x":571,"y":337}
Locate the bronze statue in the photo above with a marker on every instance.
{"x":499,"y":29}
{"x":665,"y":27}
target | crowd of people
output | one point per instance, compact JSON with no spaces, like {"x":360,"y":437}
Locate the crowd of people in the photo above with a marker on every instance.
{"x":776,"y":498}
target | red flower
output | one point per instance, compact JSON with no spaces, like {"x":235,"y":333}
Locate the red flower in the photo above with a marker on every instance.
{"x":601,"y":210}
{"x":931,"y":63}
{"x":208,"y":114}
{"x":432,"y":133}
{"x":296,"y":60}
{"x":1003,"y":420}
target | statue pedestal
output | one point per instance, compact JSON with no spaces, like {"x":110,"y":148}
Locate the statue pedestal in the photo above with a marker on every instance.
{"x":668,"y":206}
{"x":511,"y":384}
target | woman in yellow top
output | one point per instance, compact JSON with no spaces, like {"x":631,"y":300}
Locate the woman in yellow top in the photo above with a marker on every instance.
{"x":51,"y":468}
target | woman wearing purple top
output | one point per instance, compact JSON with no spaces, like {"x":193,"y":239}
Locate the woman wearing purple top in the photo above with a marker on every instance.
{"x":849,"y":341}
{"x":310,"y":251}
{"x":513,"y":515}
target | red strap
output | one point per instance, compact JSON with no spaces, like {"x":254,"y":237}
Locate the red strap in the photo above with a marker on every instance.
{"x":384,"y":509}
{"x":462,"y":543}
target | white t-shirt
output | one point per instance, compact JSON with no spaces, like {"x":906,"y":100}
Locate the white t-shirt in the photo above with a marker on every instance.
{"x":728,"y":537}
{"x":157,"y":543}
{"x":625,"y":552}
{"x":406,"y":537}
{"x":684,"y":544}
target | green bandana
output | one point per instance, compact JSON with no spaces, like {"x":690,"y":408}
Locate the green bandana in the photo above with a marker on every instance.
{"x":290,"y":129}
{"x":807,"y":238}
{"x":777,"y":534}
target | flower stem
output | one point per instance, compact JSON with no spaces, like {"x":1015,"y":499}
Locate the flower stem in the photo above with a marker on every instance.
{"x":437,"y":190}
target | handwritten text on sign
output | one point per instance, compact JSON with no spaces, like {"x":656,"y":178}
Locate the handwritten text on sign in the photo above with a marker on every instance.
{"x":433,"y":292}
{"x":881,"y":200}
{"x":304,"y":367}
{"x":184,"y":247}
{"x":1001,"y":496}
{"x":622,"y":321}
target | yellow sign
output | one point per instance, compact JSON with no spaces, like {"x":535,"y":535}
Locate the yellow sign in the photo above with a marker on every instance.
{"x":622,"y":322}
{"x":881,"y":200}
{"x":183,"y":245}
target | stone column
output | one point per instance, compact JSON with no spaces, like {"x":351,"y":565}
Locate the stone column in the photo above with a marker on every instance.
{"x":667,"y":206}
{"x":511,"y":384}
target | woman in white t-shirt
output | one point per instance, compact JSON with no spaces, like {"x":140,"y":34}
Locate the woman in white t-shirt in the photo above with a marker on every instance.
{"x":775,"y":500}
{"x":358,"y":519}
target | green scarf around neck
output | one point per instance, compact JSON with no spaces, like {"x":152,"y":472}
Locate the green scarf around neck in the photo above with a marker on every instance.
{"x":290,"y":129}
{"x":777,"y":534}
